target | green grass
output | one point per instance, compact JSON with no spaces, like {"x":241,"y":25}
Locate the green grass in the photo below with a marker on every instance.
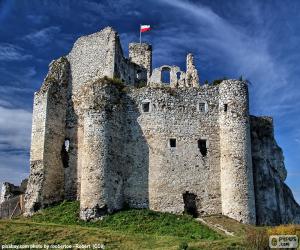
{"x":131,"y":221}
{"x":129,"y":229}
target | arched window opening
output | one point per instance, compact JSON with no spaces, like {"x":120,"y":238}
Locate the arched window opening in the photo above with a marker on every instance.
{"x":165,"y":75}
{"x":178,"y":74}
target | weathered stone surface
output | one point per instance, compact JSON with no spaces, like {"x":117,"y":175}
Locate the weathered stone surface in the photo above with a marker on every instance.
{"x":45,"y":185}
{"x":275,"y":203}
{"x":238,"y":200}
{"x":192,"y":78}
{"x":141,"y":54}
{"x":181,"y":147}
{"x":9,"y":191}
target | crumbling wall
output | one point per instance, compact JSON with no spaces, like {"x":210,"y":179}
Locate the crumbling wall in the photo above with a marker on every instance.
{"x":192,"y":78}
{"x":93,"y":57}
{"x":238,"y":201}
{"x":126,"y":71}
{"x":46,"y":180}
{"x":177,"y":77}
{"x":141,"y":54}
{"x":9,"y":190}
{"x":12,"y":207}
{"x":275,"y":203}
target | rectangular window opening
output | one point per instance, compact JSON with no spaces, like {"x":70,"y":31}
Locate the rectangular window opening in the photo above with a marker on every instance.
{"x":225,"y":107}
{"x":173,"y":143}
{"x":146,"y":107}
{"x":202,"y":107}
{"x":202,"y":147}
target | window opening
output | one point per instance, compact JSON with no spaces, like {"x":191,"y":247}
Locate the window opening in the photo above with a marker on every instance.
{"x":173,"y":143}
{"x":202,"y":107}
{"x":202,"y":147}
{"x":146,"y":107}
{"x":225,"y":107}
{"x":165,"y":76}
{"x":64,"y":153}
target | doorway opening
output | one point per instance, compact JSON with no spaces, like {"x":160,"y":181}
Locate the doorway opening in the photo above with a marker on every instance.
{"x":190,"y":207}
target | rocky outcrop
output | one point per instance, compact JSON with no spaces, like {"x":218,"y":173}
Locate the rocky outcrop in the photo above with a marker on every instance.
{"x":274,"y":200}
{"x":9,"y":191}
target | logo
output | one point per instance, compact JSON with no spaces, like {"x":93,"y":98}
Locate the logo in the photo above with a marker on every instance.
{"x":283,"y":241}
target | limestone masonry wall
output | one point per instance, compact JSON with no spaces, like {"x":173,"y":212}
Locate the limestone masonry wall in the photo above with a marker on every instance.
{"x":109,"y":132}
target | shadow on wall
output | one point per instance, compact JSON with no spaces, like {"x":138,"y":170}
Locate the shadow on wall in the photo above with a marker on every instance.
{"x":136,"y":157}
{"x":70,"y":151}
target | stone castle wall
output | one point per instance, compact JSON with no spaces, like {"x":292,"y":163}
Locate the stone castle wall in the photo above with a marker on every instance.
{"x":45,"y":184}
{"x":100,"y":138}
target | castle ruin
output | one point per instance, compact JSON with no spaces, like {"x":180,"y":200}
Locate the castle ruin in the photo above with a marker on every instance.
{"x":109,"y":132}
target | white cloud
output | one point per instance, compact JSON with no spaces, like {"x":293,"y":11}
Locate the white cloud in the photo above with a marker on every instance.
{"x":10,"y":52}
{"x":44,"y":36}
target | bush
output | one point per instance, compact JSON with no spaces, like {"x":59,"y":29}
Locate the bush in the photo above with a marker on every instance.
{"x":183,"y":246}
{"x":257,"y":239}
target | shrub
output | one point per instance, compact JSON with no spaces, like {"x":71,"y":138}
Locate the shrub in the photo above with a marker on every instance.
{"x":183,"y":246}
{"x":257,"y":239}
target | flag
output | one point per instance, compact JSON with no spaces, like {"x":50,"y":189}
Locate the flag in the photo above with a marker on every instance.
{"x":145,"y":28}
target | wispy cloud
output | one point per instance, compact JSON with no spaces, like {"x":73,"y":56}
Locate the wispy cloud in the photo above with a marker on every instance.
{"x":11,"y":52}
{"x":14,"y":167}
{"x":37,"y":19}
{"x":44,"y":36}
{"x":15,"y":129}
{"x":236,"y":50}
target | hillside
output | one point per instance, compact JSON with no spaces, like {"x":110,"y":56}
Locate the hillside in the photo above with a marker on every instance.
{"x":129,"y":229}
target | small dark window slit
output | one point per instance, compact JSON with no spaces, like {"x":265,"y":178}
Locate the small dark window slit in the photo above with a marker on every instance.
{"x":202,"y":147}
{"x":173,"y":143}
{"x":65,"y":153}
{"x":225,"y":107}
{"x":202,"y":107}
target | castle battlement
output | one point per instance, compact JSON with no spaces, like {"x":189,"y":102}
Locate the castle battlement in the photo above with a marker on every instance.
{"x":112,"y":132}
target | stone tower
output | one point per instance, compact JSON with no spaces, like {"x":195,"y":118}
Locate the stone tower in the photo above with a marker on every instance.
{"x":141,"y":54}
{"x":237,"y":187}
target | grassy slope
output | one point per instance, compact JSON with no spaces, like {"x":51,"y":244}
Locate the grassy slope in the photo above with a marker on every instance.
{"x":131,"y":229}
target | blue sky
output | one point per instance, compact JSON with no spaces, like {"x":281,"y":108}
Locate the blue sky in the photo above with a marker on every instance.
{"x":257,"y":39}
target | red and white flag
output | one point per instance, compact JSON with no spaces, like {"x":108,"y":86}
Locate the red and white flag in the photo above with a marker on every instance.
{"x":145,"y":28}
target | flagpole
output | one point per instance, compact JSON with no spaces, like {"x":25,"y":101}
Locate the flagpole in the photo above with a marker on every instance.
{"x":140,"y":35}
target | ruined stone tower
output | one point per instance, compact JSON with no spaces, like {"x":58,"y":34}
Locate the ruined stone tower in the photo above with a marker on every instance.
{"x":111,"y":132}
